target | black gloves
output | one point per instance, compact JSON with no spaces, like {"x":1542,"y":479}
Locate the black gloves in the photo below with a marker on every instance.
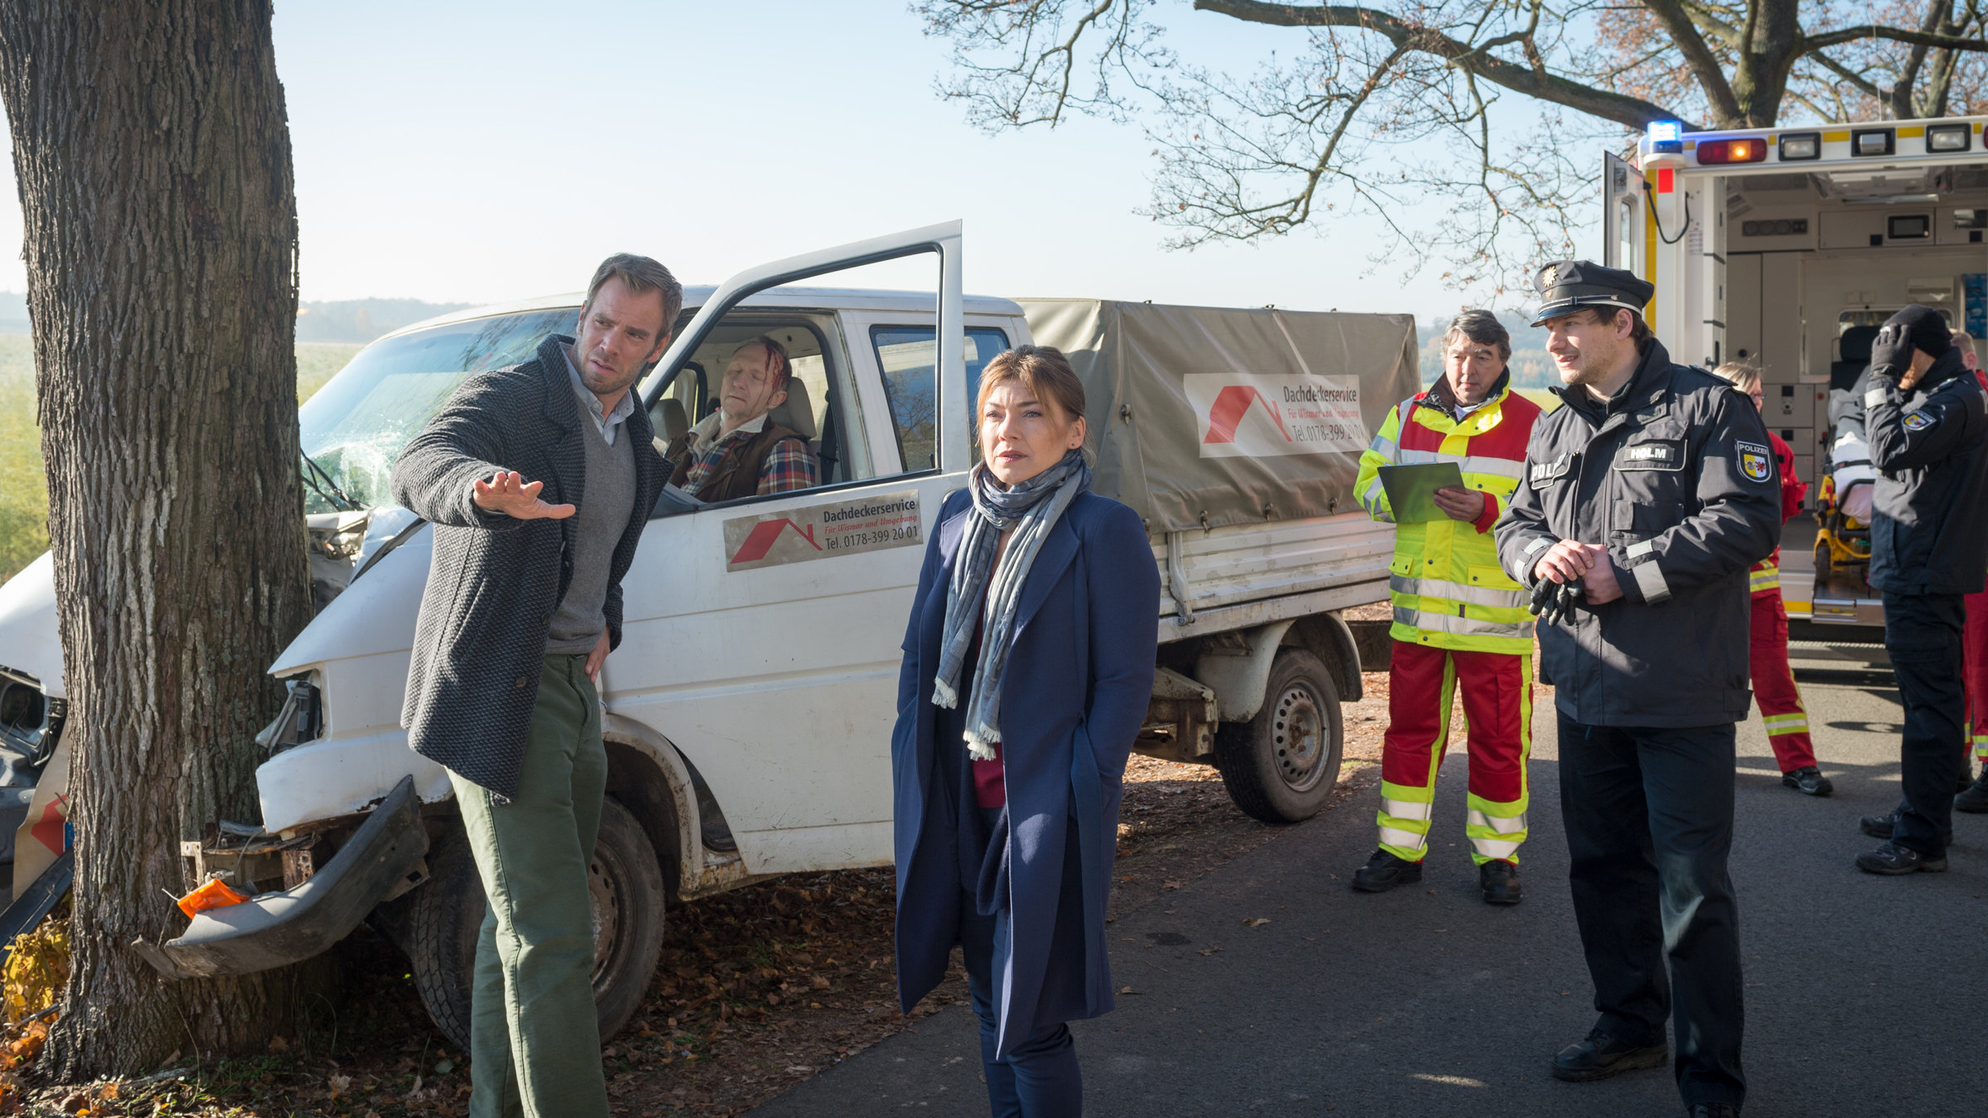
{"x":1554,"y":602}
{"x":1891,"y":351}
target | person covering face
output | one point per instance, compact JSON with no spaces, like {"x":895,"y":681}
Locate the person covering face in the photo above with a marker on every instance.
{"x":1028,"y":665}
{"x":1926,"y":418}
{"x":1646,"y":497}
{"x":538,"y":480}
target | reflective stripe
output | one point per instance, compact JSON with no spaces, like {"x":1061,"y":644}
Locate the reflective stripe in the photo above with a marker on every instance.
{"x":1462,"y":626}
{"x":1500,"y":824}
{"x":1640,"y":547}
{"x":1873,"y":397}
{"x":1456,"y":592}
{"x":1466,"y":463}
{"x":1407,"y":840}
{"x":1371,"y":501}
{"x":1779,"y":724}
{"x":1384,"y":446}
{"x":1499,"y":467}
{"x":1407,"y":809}
{"x":1538,"y":545}
{"x":1495,"y":849}
{"x":1650,"y":580}
{"x":1764,"y":580}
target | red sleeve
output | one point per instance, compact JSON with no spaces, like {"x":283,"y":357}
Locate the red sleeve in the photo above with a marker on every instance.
{"x":1793,"y":488}
{"x":1488,"y":517}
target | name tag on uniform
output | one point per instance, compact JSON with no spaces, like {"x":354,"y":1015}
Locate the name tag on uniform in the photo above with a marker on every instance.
{"x":1546,"y":473}
{"x":1651,"y":454}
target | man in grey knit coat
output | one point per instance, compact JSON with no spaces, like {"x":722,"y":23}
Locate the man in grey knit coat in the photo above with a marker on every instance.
{"x":538,"y":480}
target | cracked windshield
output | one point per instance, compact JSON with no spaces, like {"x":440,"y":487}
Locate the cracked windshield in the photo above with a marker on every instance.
{"x":355,"y":426}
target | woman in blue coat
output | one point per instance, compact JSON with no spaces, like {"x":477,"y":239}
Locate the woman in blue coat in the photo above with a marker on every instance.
{"x":1028,"y":665}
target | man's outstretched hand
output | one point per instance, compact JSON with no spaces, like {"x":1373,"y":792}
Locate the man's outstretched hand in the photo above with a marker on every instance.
{"x":515,"y":497}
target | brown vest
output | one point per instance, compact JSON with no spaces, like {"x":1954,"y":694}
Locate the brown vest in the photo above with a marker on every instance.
{"x":737,"y":472}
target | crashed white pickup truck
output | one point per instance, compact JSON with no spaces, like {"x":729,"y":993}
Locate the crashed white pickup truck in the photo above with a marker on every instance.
{"x":749,"y":706}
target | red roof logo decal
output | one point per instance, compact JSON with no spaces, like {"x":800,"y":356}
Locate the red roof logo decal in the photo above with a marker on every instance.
{"x":1230,"y":405}
{"x":766,"y":534}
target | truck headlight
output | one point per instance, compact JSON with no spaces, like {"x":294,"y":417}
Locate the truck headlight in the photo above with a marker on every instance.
{"x":300,"y":720}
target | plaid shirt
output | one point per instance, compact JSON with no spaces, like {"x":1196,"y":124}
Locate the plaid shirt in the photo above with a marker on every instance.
{"x":790,"y":465}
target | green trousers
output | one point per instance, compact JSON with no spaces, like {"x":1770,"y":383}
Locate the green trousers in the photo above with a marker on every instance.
{"x":535,"y":1048}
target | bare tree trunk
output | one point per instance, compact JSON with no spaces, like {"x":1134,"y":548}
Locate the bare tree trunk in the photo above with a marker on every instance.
{"x":153,"y":155}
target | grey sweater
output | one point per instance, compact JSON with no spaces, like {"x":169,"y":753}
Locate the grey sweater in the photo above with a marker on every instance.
{"x":576,"y":625}
{"x":495,"y":582}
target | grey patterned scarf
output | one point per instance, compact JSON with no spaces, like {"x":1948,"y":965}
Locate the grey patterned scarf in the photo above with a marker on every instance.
{"x":1031,"y":508}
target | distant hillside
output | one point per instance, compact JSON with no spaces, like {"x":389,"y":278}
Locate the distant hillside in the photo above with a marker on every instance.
{"x":346,"y":320}
{"x":362,"y":320}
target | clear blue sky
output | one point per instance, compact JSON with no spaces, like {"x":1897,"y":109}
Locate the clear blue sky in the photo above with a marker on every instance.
{"x":480,"y":152}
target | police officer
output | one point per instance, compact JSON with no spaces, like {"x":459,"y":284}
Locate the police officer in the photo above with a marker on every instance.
{"x":1926,"y":418}
{"x":1646,"y":498}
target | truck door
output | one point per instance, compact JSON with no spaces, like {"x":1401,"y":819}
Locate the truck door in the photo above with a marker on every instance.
{"x":762,"y":634}
{"x":1622,"y":215}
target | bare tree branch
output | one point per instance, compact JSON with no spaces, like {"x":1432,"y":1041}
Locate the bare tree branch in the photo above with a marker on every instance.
{"x":1631,"y":112}
{"x":1895,"y":34}
{"x":1711,"y":76}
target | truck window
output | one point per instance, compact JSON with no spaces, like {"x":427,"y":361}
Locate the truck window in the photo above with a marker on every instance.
{"x":906,"y":355}
{"x":818,"y":391}
{"x":355,"y":426}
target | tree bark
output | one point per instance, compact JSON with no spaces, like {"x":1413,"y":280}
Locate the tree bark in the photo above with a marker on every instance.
{"x":152,"y":151}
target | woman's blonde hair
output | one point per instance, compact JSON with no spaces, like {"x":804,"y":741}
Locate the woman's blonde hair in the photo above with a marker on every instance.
{"x":1041,"y":369}
{"x":1745,"y":375}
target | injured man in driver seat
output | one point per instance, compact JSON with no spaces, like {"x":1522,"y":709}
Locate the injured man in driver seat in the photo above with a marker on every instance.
{"x":739,"y":450}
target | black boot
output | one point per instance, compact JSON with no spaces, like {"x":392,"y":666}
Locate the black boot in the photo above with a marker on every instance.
{"x":1974,"y":800}
{"x":1879,"y":826}
{"x":1893,"y":860}
{"x":1601,"y":1056}
{"x":1384,"y":871}
{"x":1808,"y":781}
{"x":1500,"y":881}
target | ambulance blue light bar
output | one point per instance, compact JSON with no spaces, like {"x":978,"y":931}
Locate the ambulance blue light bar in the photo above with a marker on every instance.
{"x":1666,"y":136}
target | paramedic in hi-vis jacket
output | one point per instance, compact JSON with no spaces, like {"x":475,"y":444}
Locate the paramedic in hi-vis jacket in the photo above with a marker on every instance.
{"x":1459,"y":621}
{"x":1925,"y":419}
{"x":1651,"y":490}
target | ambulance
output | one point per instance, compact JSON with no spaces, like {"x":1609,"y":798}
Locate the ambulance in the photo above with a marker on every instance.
{"x":1789,"y":247}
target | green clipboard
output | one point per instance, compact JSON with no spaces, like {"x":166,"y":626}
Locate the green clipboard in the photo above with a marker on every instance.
{"x":1411,"y":489}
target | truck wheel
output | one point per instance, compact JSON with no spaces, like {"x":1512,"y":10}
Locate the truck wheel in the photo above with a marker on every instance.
{"x":1281,"y":765}
{"x":626,"y":887}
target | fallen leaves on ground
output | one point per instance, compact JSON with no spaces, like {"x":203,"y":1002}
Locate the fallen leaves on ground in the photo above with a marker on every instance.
{"x":757,"y":989}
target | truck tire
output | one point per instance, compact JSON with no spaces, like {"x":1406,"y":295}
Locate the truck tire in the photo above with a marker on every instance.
{"x":1282,"y":765}
{"x":626,"y":884}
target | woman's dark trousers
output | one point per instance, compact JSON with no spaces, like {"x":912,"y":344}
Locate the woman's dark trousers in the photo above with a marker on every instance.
{"x":1040,"y":1077}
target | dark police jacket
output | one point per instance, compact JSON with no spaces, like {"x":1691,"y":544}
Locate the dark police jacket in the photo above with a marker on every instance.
{"x":1929,"y":533}
{"x":1675,"y":476}
{"x":494,"y":582}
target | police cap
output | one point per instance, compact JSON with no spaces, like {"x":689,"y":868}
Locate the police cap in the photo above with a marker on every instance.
{"x":1566,"y":286}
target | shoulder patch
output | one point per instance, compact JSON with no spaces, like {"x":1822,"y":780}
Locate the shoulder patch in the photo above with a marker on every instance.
{"x":1755,"y":460}
{"x":1919,"y":421}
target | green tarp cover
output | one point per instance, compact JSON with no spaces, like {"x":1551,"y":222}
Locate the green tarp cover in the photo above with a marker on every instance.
{"x":1208,"y":416}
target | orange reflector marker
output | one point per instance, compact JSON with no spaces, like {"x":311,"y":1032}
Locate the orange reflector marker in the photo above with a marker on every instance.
{"x":214,"y":894}
{"x":1665,"y":182}
{"x":1731,"y":151}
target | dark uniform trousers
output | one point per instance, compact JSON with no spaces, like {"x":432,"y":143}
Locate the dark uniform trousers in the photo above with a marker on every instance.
{"x":1626,"y":793}
{"x":1922,"y":634}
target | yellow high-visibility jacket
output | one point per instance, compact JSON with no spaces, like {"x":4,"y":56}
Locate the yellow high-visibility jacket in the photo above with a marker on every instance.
{"x":1445,"y":583}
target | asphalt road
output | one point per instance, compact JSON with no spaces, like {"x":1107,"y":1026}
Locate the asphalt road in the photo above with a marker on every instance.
{"x":1864,"y":994}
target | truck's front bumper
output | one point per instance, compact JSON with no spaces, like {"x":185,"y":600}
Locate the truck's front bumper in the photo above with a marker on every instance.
{"x":276,"y":929}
